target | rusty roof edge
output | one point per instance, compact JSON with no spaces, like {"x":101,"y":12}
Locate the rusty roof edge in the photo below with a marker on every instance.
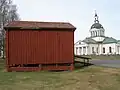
{"x":6,"y":27}
{"x":37,"y":28}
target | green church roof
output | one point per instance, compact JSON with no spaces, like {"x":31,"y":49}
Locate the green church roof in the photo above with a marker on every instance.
{"x":118,"y":41}
{"x":89,"y":41}
{"x":109,"y":40}
{"x":96,"y":25}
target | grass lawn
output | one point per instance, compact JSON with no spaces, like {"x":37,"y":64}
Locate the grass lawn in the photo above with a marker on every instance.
{"x":88,"y":78}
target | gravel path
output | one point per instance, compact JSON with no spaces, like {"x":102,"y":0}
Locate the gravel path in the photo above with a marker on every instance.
{"x":108,"y":63}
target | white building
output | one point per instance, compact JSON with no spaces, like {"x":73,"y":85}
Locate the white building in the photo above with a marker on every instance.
{"x":97,"y":43}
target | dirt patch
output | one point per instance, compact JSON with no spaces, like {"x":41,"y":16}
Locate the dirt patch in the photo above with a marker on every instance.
{"x":111,"y":70}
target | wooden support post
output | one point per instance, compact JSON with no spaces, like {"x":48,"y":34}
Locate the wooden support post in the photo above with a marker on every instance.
{"x":87,"y":61}
{"x":84,"y":62}
{"x":71,"y":67}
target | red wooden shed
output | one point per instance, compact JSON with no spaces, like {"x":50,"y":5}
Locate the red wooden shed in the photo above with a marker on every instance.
{"x":35,"y":46}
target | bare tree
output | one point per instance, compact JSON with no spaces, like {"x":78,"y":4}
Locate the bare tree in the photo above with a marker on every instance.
{"x":8,"y":12}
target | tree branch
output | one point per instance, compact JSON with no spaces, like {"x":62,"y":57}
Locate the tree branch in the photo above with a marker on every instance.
{"x":3,"y":1}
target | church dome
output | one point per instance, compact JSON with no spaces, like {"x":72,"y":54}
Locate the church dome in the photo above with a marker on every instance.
{"x":96,"y":25}
{"x":96,"y":30}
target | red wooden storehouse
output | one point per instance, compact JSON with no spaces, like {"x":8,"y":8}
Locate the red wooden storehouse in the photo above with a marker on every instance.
{"x":35,"y":46}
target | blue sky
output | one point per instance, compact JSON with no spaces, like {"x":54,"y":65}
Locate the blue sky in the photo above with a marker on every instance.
{"x":80,"y":13}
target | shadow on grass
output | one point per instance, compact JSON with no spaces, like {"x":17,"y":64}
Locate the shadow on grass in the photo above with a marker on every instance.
{"x":2,"y":64}
{"x":81,"y":65}
{"x":77,"y":65}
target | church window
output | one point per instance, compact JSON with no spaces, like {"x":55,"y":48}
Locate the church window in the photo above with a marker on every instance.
{"x":76,"y":50}
{"x":99,"y":32}
{"x":118,"y":48}
{"x":91,"y":34}
{"x":80,"y":50}
{"x":95,"y":33}
{"x":92,"y":49}
{"x":110,"y":50}
{"x":84,"y":50}
{"x":103,"y":33}
{"x":97,"y":50}
{"x":103,"y":50}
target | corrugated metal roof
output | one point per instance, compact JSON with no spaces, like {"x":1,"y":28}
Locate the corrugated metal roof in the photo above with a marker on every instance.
{"x":38,"y":25}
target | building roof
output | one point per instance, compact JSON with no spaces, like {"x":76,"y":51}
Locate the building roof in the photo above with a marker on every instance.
{"x":89,"y":41}
{"x":118,"y":41}
{"x":78,"y":42}
{"x":109,"y":40}
{"x":96,"y":25}
{"x":39,"y":25}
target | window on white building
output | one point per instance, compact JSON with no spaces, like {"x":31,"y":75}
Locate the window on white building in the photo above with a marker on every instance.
{"x":110,"y":50}
{"x":91,"y":34}
{"x":97,"y":49}
{"x":79,"y":42}
{"x":118,"y":49}
{"x":103,"y":50}
{"x":95,"y":33}
{"x":76,"y":50}
{"x":84,"y":50}
{"x":80,"y":50}
{"x":92,"y":49}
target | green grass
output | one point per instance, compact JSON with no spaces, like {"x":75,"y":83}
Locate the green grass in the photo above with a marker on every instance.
{"x":88,"y":78}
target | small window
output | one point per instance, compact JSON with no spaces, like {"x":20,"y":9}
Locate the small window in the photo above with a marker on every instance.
{"x":103,"y":50}
{"x":80,"y":50}
{"x":97,"y":50}
{"x":96,"y":33}
{"x":76,"y":50}
{"x":118,"y":48}
{"x":79,"y":42}
{"x":84,"y":50}
{"x":92,"y":49}
{"x":110,"y":50}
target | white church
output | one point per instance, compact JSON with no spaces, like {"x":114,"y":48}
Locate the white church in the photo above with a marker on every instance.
{"x":97,"y":43}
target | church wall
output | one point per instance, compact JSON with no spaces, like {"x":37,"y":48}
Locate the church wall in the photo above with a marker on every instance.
{"x":91,"y":51}
{"x":118,"y":49}
{"x":87,"y":51}
{"x":98,"y":38}
{"x":78,"y":49}
{"x":113,"y":48}
{"x":98,"y":49}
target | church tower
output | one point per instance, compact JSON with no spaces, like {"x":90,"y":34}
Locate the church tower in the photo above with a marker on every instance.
{"x":97,"y":29}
